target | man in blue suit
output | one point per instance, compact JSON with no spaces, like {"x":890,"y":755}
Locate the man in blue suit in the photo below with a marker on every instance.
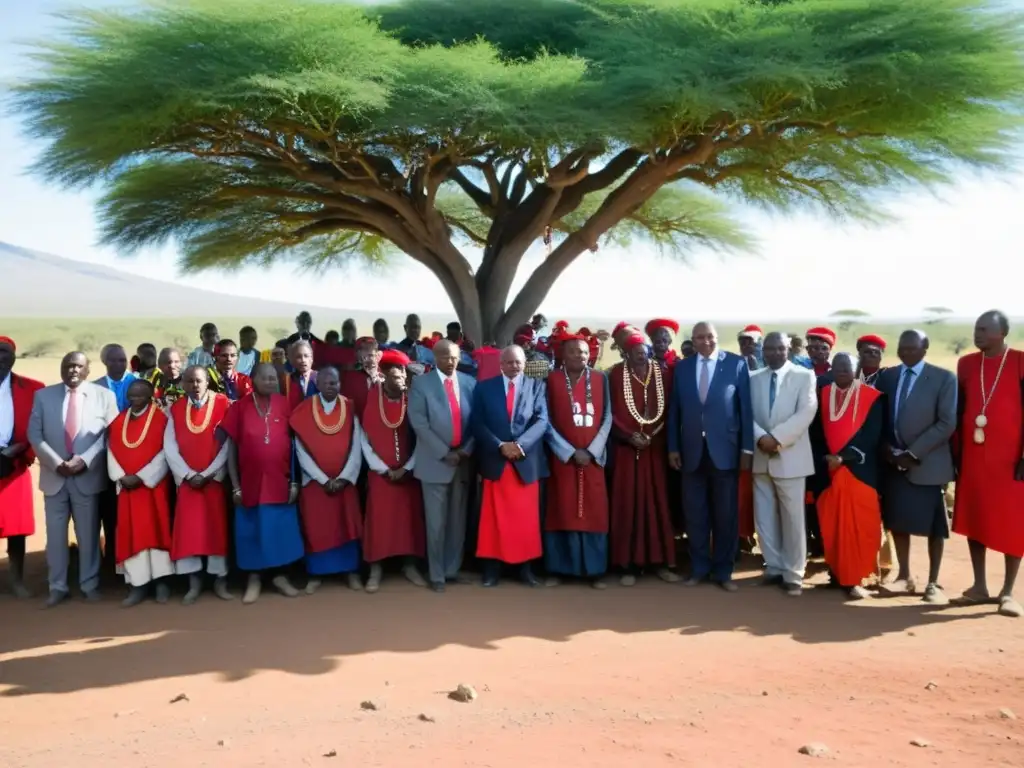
{"x":710,"y":438}
{"x":510,"y":419}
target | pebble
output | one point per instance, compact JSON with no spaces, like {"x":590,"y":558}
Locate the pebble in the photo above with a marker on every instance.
{"x":368,"y":706}
{"x":920,"y":743}
{"x":464,"y":693}
{"x":425,"y":718}
{"x":931,"y":686}
{"x":814,"y":749}
{"x":223,"y":743}
{"x":179,"y":697}
{"x":1007,"y":714}
{"x":331,"y":753}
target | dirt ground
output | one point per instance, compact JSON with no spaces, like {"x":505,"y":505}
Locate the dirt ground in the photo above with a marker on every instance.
{"x":650,"y":676}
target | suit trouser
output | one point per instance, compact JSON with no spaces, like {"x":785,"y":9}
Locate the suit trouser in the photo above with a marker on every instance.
{"x":69,"y":503}
{"x":780,"y":522}
{"x":444,"y":507}
{"x":711,"y":507}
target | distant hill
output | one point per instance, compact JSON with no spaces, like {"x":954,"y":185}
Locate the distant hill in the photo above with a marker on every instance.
{"x":45,"y":285}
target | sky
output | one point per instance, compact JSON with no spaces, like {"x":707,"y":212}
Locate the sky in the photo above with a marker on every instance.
{"x":805,"y":267}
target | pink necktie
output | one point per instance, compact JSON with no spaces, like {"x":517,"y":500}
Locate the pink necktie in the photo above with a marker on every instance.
{"x":453,"y":404}
{"x":71,"y":422}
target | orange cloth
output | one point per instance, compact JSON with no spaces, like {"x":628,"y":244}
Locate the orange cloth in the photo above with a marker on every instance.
{"x":851,"y":524}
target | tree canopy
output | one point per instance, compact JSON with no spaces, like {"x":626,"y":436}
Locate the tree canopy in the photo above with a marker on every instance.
{"x":249,"y":131}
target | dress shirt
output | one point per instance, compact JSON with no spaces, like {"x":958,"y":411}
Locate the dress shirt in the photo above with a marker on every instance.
{"x":64,"y":408}
{"x":454,"y":379}
{"x":6,"y":412}
{"x":910,"y":385}
{"x":712,"y":363}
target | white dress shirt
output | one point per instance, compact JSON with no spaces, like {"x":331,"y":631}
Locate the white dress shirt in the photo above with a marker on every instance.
{"x":6,"y":412}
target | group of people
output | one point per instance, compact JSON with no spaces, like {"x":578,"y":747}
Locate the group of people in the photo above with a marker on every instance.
{"x":346,"y":455}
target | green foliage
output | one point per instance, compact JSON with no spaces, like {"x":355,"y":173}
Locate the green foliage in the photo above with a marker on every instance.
{"x":248,"y":131}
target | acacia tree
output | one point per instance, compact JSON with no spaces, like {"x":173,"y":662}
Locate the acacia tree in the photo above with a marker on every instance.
{"x":251,"y":131}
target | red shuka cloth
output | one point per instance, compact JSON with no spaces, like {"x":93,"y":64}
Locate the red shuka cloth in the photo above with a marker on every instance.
{"x":509,"y":514}
{"x":355,"y":385}
{"x":577,"y":497}
{"x":200,"y":516}
{"x":333,"y":355}
{"x":328,"y":521}
{"x":849,"y":513}
{"x":17,"y":505}
{"x":989,"y":505}
{"x":291,"y":388}
{"x":264,"y":468}
{"x":143,"y":514}
{"x":641,"y":522}
{"x":394,"y":510}
{"x":488,"y":362}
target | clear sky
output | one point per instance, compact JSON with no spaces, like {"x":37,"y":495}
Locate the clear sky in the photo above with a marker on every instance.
{"x":961,"y":250}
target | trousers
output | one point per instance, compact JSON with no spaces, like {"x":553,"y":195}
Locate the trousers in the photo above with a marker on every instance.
{"x":781,"y":525}
{"x":82,"y":510}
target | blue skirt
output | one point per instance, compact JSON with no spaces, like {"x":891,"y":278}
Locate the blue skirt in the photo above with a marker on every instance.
{"x":267,"y":536}
{"x":344,"y":559}
{"x":571,"y":553}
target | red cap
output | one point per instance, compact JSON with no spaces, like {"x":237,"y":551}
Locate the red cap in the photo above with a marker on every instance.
{"x":621,"y":326}
{"x":393,"y":357}
{"x":634,"y":339}
{"x":871,"y":339}
{"x":523,"y":333}
{"x":660,"y":322}
{"x":564,"y":324}
{"x":9,"y":342}
{"x":366,"y":340}
{"x":751,"y":331}
{"x":821,"y":332}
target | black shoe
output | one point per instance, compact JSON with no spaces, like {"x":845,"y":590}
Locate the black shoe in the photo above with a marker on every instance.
{"x":437,"y":586}
{"x":771,"y":581}
{"x":528,"y":578}
{"x":489,"y":581}
{"x":56,"y":598}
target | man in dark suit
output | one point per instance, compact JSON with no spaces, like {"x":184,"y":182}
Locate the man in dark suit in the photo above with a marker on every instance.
{"x":510,"y":419}
{"x":711,"y":438}
{"x":921,"y":418}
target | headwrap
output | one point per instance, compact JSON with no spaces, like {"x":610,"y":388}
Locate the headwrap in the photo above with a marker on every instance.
{"x":393,"y":357}
{"x":620,"y":326}
{"x":660,"y":322}
{"x":751,"y":332}
{"x":634,"y":339}
{"x":523,"y":334}
{"x":821,"y":332}
{"x":9,"y":342}
{"x":561,"y":325}
{"x":871,"y":339}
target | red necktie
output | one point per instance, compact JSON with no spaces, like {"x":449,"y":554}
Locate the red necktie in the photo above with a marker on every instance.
{"x":510,"y":398}
{"x":71,"y":422}
{"x":453,"y":404}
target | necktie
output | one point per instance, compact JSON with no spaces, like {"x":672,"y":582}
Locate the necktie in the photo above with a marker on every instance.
{"x":71,"y":422}
{"x":510,"y":399}
{"x":453,"y":405}
{"x":908,"y":376}
{"x":772,"y":387}
{"x":705,"y":380}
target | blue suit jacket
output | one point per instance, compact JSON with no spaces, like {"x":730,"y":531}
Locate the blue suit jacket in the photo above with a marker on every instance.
{"x":491,"y":427}
{"x":725,"y":421}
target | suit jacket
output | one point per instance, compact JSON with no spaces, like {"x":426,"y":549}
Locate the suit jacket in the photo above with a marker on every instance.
{"x":788,"y":421}
{"x":492,"y":427}
{"x":98,"y":408}
{"x":927,"y":421}
{"x":431,"y":419}
{"x":724,"y":421}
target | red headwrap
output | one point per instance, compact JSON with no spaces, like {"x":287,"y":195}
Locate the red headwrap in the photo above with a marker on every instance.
{"x":871,"y":338}
{"x":634,"y":339}
{"x":562,"y":324}
{"x":752,"y":332}
{"x":621,"y":326}
{"x":393,"y":357}
{"x":523,"y":333}
{"x":369,"y":340}
{"x":821,"y":332}
{"x":660,"y":322}
{"x":9,"y":342}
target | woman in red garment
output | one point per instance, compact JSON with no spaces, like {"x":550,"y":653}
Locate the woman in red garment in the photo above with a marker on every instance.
{"x":136,"y":462}
{"x":989,"y":506}
{"x":394,"y":502}
{"x":851,"y":419}
{"x":17,"y":512}
{"x":641,"y":522}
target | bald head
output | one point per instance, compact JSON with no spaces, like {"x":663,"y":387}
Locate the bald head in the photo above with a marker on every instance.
{"x":912,"y":347}
{"x":513,"y":360}
{"x":705,"y":338}
{"x":446,"y":356}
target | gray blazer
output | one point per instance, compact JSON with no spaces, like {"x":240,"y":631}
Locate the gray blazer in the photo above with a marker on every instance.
{"x":431,"y":420}
{"x":926,"y":421}
{"x":46,"y":434}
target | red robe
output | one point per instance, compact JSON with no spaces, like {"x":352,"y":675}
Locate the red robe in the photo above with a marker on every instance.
{"x":143,"y":513}
{"x":242,"y":384}
{"x":394,"y":511}
{"x":355,"y":385}
{"x":334,"y":355}
{"x":292,"y":390}
{"x":989,"y":505}
{"x":264,"y":449}
{"x":328,"y":522}
{"x":17,"y":507}
{"x":641,"y":522}
{"x":200,"y":516}
{"x":488,"y":362}
{"x":577,"y":497}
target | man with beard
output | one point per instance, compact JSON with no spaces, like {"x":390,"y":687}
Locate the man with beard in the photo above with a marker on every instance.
{"x":394,"y":500}
{"x":224,"y":376}
{"x":17,"y":514}
{"x":576,"y":520}
{"x":328,"y":445}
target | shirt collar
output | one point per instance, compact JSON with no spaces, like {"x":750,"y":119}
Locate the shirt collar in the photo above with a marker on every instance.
{"x":916,"y":369}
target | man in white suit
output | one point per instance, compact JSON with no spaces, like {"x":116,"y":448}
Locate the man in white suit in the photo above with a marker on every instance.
{"x":67,"y":430}
{"x":784,"y":401}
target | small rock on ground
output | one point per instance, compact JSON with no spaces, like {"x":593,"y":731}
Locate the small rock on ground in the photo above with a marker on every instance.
{"x":223,"y":743}
{"x":920,"y":743}
{"x":179,"y":697}
{"x":425,"y":718}
{"x":931,"y":686}
{"x":331,"y":753}
{"x":368,"y":705}
{"x":464,"y":693}
{"x":1007,"y":714}
{"x":814,"y":749}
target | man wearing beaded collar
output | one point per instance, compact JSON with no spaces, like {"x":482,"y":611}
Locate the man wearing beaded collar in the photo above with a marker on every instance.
{"x":328,"y":445}
{"x":138,"y":467}
{"x":989,"y":508}
{"x":394,"y":500}
{"x":641,"y":532}
{"x":197,"y":457}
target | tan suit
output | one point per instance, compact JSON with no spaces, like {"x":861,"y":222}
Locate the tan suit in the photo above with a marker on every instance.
{"x":780,"y":479}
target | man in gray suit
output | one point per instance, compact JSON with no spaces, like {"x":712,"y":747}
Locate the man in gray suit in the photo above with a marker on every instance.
{"x":921,"y":410}
{"x":440,"y":404}
{"x":67,"y":430}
